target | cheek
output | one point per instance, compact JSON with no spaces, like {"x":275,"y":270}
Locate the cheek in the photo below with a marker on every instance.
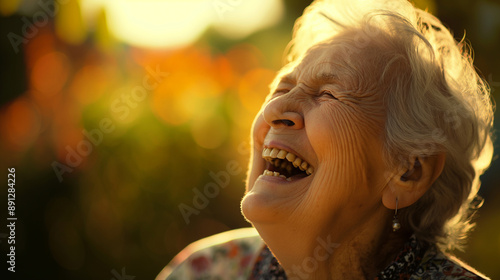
{"x":259,"y":130}
{"x":345,"y":144}
{"x":258,"y":133}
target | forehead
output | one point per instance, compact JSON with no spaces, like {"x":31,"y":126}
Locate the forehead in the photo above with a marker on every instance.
{"x":333,"y":59}
{"x":354,"y":69}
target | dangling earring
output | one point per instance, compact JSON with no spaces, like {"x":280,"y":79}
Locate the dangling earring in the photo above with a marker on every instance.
{"x":395,"y":222}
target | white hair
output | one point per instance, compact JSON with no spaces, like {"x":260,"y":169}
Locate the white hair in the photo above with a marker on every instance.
{"x":435,"y":101}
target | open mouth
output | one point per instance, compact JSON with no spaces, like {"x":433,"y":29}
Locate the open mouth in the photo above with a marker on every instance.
{"x":284,"y":164}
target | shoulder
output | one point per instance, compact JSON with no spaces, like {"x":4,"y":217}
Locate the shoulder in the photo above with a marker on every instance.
{"x":438,"y":265}
{"x":225,"y":255}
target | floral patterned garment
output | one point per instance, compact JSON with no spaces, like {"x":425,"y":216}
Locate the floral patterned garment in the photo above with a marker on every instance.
{"x":241,"y":254}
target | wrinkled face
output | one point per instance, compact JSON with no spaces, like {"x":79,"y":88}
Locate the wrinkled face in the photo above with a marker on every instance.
{"x":317,"y":146}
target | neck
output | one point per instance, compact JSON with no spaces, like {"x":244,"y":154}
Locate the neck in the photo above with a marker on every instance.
{"x":359,"y":253}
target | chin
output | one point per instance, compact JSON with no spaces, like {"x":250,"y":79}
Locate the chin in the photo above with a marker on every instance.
{"x":271,"y":200}
{"x":255,"y":205}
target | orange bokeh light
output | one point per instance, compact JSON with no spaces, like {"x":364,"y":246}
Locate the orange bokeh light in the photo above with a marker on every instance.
{"x":20,"y":123}
{"x":254,"y":87}
{"x":90,"y":83}
{"x":49,"y":74}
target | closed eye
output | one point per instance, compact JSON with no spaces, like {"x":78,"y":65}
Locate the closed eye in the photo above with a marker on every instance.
{"x":280,"y":92}
{"x":328,"y":94}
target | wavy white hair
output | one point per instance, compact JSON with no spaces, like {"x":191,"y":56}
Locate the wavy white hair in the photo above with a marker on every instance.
{"x":435,"y":101}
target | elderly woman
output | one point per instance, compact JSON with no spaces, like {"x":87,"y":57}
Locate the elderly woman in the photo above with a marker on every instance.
{"x":366,"y":155}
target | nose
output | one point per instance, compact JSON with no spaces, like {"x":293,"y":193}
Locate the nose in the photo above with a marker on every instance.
{"x":283,"y":112}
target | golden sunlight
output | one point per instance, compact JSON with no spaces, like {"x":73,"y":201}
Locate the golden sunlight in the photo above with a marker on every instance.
{"x":175,"y":23}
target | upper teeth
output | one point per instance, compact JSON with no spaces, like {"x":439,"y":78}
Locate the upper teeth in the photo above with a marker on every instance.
{"x":270,"y":154}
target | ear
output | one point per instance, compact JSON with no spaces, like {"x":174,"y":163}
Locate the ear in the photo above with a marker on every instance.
{"x":408,"y":185}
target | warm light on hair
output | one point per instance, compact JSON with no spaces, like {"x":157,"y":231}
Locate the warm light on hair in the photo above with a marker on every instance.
{"x":435,"y":101}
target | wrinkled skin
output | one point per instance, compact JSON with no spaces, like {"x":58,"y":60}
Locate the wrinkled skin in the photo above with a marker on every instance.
{"x":339,"y":131}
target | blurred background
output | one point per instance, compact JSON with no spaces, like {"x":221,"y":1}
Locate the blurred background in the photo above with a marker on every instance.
{"x":116,"y":113}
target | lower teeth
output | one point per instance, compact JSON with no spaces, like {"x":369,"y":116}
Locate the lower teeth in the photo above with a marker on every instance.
{"x":275,"y":174}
